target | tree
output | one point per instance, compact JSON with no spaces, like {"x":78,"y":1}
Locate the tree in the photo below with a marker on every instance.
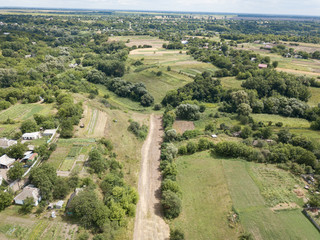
{"x":17,"y":151}
{"x":171,"y":204}
{"x":28,"y":205}
{"x":61,"y":188}
{"x":7,"y":77}
{"x":44,"y":177}
{"x":275,"y":64}
{"x":89,"y":210}
{"x":6,"y":199}
{"x":244,"y":109}
{"x":266,"y":132}
{"x":29,"y":126}
{"x":96,"y":161}
{"x":284,"y":135}
{"x":15,"y":172}
{"x":246,"y":132}
{"x":147,"y":100}
{"x":188,"y":112}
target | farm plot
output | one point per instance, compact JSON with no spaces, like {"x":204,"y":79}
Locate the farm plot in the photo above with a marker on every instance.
{"x":94,"y":122}
{"x":255,"y":216}
{"x":16,"y":226}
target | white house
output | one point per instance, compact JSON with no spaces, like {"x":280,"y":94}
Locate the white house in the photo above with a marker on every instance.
{"x":31,"y":192}
{"x":6,"y":162}
{"x":5,"y":143}
{"x":31,"y":136}
{"x":49,"y":132}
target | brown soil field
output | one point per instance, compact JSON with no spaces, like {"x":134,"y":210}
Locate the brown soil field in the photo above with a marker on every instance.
{"x":182,"y":126}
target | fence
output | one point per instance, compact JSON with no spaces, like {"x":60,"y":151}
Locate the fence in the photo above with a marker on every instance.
{"x":310,"y":218}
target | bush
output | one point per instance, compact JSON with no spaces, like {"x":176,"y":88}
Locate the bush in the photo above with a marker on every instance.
{"x":192,"y":147}
{"x":170,"y":185}
{"x":140,"y":131}
{"x":176,"y":234}
{"x":157,"y":107}
{"x":279,"y":124}
{"x":182,"y":150}
{"x":171,"y":204}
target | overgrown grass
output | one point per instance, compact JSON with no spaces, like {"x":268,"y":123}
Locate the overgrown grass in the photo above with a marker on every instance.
{"x":255,"y":216}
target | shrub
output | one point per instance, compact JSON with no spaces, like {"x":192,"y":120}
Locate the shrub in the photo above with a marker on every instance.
{"x":188,"y":111}
{"x":192,"y":147}
{"x":176,"y":235}
{"x":182,"y":150}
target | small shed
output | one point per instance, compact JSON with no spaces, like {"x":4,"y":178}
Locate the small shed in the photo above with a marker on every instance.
{"x":28,"y":191}
{"x":261,"y":65}
{"x":214,"y":136}
{"x":31,"y":136}
{"x":6,"y":162}
{"x":59,"y":204}
{"x":49,"y":132}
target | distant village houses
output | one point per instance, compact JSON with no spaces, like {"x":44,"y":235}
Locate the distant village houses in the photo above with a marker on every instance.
{"x":28,"y":192}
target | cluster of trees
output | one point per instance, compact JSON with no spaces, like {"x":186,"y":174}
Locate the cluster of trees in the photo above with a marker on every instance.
{"x":192,"y":147}
{"x":267,"y":82}
{"x":171,"y":193}
{"x":135,"y":91}
{"x":69,"y":114}
{"x":204,"y":89}
{"x":51,"y":186}
{"x":119,"y":199}
{"x":140,"y":131}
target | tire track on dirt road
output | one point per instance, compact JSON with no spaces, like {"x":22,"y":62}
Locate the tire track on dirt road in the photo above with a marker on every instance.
{"x":149,"y":223}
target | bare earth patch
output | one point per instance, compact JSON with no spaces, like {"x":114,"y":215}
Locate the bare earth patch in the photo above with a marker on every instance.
{"x":284,"y":206}
{"x":182,"y":126}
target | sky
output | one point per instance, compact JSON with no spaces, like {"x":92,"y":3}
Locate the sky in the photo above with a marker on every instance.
{"x":286,"y":7}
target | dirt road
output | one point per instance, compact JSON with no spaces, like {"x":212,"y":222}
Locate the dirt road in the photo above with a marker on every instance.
{"x":149,"y":224}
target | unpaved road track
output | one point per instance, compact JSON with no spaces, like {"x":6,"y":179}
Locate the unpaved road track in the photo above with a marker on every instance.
{"x":149,"y":223}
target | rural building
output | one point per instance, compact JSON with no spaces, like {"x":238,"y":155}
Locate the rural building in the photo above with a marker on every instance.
{"x":184,"y":42}
{"x":28,"y":191}
{"x":261,"y":65}
{"x":29,"y":157}
{"x":6,"y":162}
{"x":5,"y":143}
{"x":49,"y":132}
{"x":31,"y":136}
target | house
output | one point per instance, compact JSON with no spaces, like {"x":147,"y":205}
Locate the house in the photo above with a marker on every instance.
{"x":31,"y":147}
{"x":261,"y":65}
{"x":31,"y":136}
{"x":268,"y":47}
{"x":49,"y":132}
{"x":6,"y":162}
{"x":5,"y":143}
{"x":184,"y":42}
{"x":214,"y":136}
{"x":28,"y":191}
{"x":27,"y":56}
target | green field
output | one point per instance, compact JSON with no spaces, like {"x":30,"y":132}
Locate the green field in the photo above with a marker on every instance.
{"x":19,"y":113}
{"x":255,"y":216}
{"x":206,"y":200}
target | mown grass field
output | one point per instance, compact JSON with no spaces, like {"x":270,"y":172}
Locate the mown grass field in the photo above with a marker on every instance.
{"x":206,"y":200}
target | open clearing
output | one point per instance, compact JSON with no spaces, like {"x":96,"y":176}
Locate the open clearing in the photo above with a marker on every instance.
{"x":182,"y":126}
